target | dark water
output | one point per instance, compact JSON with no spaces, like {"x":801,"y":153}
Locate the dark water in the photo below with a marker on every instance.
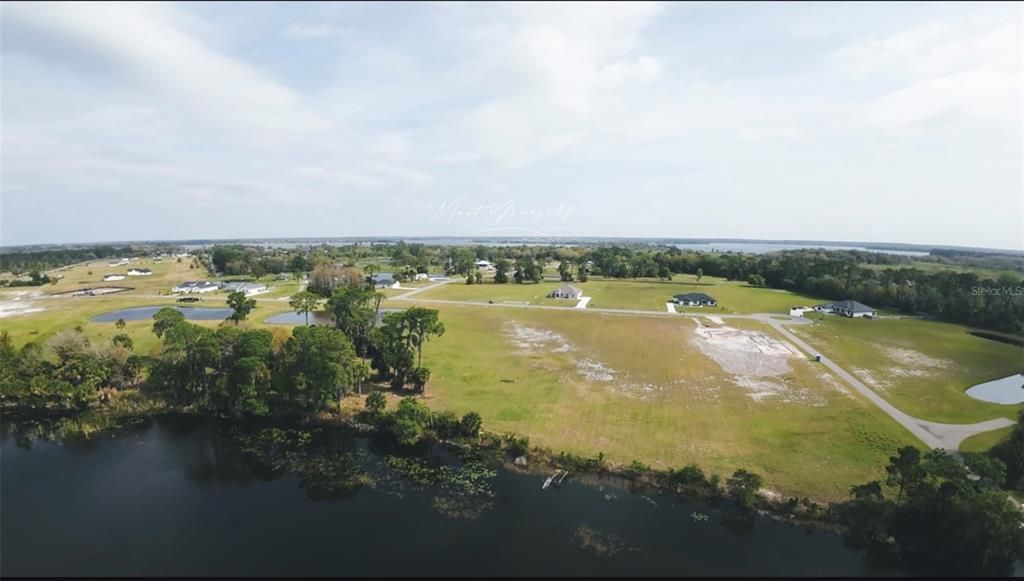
{"x":142,"y":313}
{"x":175,"y":496}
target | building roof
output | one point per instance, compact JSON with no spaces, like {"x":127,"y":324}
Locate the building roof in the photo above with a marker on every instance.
{"x":244,"y":285}
{"x":568,"y":288}
{"x":695,"y":297}
{"x":852,"y":306}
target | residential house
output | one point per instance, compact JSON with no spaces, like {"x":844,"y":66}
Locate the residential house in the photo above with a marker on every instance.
{"x":139,"y":272}
{"x":196,"y":286}
{"x":847,"y":308}
{"x":113,"y":277}
{"x":484,"y":264}
{"x":567,"y":291}
{"x":384,"y":280}
{"x":694,"y":300}
{"x":249,"y":288}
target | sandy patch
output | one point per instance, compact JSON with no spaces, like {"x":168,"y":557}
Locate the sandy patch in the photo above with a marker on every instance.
{"x":742,"y":352}
{"x":917,"y":359}
{"x":868,"y":377}
{"x":716,"y":320}
{"x":533,"y":340}
{"x":16,"y":303}
{"x":756,"y":360}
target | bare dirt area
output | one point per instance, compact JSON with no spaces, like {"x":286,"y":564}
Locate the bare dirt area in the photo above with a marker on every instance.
{"x":915,"y":364}
{"x":14,"y":303}
{"x":532,"y":340}
{"x":758,"y":362}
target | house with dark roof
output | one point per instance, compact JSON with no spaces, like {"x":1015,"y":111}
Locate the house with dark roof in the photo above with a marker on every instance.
{"x":695,"y":300}
{"x":567,"y":291}
{"x":384,"y":280}
{"x":847,"y":308}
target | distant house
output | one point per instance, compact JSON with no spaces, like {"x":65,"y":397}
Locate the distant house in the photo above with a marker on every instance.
{"x":119,"y":262}
{"x":420,"y":276}
{"x":384,"y":280}
{"x":139,"y":272}
{"x":196,"y":286}
{"x":438,"y":277}
{"x":113,"y":277}
{"x":484,"y":264}
{"x":249,"y":288}
{"x":695,"y":300}
{"x":566,"y":292}
{"x":847,"y":308}
{"x":283,"y":276}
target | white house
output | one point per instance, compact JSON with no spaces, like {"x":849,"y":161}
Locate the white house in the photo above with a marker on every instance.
{"x":119,"y":262}
{"x":113,"y":277}
{"x":196,"y":286}
{"x":566,"y":292}
{"x":139,"y":272}
{"x":249,"y":288}
{"x":694,"y":300}
{"x":420,"y":276}
{"x":484,"y":264}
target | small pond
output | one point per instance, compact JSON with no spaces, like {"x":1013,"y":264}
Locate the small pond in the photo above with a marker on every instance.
{"x":1008,"y":390}
{"x":143,"y":313}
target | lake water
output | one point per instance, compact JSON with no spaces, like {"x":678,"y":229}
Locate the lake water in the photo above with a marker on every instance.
{"x":179,"y":496}
{"x":763,"y":248}
{"x":143,"y":313}
{"x":1007,"y":390}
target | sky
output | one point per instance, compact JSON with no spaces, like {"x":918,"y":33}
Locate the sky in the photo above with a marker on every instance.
{"x":868,"y":122}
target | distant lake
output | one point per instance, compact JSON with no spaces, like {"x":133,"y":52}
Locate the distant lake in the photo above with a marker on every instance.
{"x":178,"y":496}
{"x":763,"y":248}
{"x":143,"y":313}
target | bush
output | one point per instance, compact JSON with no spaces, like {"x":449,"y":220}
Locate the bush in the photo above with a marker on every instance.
{"x":375,"y":403}
{"x":471,"y":425}
{"x":517,"y":445}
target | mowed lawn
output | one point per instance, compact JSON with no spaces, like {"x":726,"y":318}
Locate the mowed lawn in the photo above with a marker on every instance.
{"x":921,"y":367}
{"x":635,"y":294}
{"x":668,"y":404}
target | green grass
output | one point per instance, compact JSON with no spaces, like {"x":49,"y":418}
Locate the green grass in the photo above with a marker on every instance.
{"x":886,"y":354}
{"x":697,"y":416}
{"x":984,"y":442}
{"x":635,"y":294}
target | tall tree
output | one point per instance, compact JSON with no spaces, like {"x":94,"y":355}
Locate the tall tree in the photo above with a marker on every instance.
{"x":304,"y":302}
{"x":241,"y":304}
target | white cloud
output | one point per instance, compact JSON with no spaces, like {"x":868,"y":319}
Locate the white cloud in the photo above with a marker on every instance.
{"x":142,"y":39}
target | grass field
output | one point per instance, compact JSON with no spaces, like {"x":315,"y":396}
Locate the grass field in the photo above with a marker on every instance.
{"x":984,"y":442}
{"x":642,"y":294}
{"x":693,"y":412}
{"x":638,"y":387}
{"x":921,"y":367}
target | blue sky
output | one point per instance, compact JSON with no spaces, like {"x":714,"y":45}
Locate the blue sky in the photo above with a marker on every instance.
{"x":856,"y":121}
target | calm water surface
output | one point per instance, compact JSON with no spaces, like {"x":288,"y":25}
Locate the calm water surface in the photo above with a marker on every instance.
{"x":1007,"y":390}
{"x":142,"y":313}
{"x":175,"y":496}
